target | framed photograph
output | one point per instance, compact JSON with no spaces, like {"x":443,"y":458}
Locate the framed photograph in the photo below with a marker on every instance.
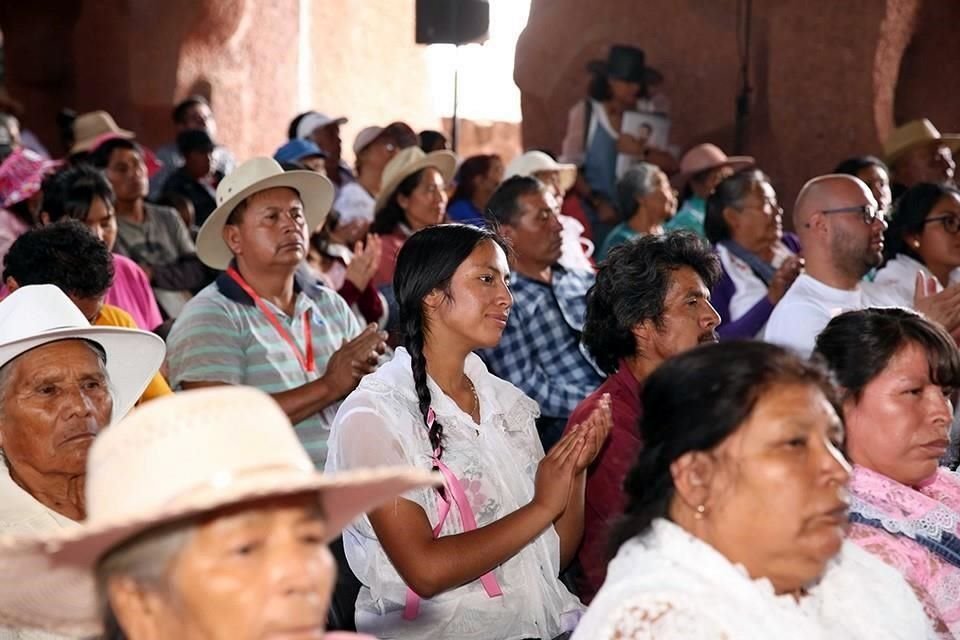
{"x":654,"y":128}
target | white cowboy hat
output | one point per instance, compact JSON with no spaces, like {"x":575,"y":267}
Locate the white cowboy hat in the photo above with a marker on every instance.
{"x":531,"y":162}
{"x":35,"y":315}
{"x":914,"y":133}
{"x":255,"y":175}
{"x":407,"y":162}
{"x":173,"y":458}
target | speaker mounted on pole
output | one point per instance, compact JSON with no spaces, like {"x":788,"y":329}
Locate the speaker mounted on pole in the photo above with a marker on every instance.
{"x":452,"y":21}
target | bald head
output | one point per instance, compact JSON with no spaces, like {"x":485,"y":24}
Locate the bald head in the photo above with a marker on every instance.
{"x":832,"y":191}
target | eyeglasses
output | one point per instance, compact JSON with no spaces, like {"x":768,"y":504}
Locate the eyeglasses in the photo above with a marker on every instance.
{"x":869,"y":212}
{"x":950,"y":221}
{"x":768,"y":209}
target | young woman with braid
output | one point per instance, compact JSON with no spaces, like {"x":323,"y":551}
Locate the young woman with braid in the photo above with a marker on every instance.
{"x":480,"y":558}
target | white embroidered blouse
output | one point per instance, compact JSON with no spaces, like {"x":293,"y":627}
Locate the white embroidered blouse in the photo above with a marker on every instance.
{"x":380,"y":424}
{"x":669,"y":585}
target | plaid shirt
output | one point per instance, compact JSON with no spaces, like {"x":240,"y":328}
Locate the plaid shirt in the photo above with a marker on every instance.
{"x":540,"y":350}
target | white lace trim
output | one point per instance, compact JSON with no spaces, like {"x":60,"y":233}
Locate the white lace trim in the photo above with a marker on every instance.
{"x":931,"y":525}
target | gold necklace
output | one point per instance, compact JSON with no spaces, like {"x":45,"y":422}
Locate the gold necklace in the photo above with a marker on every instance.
{"x":476,"y":402}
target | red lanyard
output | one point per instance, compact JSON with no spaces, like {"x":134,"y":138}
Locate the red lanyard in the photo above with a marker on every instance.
{"x":307,"y":361}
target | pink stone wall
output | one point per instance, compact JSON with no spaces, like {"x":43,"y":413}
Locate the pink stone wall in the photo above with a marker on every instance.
{"x":827,"y":76}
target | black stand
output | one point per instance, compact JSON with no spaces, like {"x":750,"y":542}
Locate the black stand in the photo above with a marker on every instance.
{"x":744,"y":16}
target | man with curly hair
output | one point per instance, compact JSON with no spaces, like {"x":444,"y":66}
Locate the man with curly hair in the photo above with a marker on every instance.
{"x":651,"y":301}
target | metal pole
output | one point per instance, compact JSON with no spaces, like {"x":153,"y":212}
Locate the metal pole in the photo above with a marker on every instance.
{"x":456,"y":93}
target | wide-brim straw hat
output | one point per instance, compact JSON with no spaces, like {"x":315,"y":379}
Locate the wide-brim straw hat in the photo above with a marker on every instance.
{"x":705,"y":157}
{"x":407,"y":162}
{"x":914,"y":134}
{"x":255,"y":175}
{"x":89,"y":130}
{"x":531,"y":162}
{"x":35,"y":315}
{"x":174,"y":458}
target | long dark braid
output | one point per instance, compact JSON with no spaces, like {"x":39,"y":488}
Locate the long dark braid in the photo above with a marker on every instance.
{"x":418,"y":363}
{"x":426,"y":263}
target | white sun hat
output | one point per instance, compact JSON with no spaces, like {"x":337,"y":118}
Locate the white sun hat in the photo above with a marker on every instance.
{"x":176,"y":457}
{"x":255,"y":175}
{"x":531,"y":162}
{"x":38,"y":314}
{"x":314,"y":120}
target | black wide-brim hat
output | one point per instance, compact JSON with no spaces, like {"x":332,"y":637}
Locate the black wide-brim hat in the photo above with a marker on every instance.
{"x":626,"y":63}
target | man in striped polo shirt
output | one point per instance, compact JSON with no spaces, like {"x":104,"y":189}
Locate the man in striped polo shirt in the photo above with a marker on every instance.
{"x":253,"y":325}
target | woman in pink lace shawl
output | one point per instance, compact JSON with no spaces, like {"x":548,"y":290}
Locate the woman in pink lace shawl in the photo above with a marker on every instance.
{"x":897,"y":371}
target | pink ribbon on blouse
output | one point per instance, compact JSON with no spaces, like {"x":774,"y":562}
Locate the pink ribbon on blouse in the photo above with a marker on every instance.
{"x":453,"y":493}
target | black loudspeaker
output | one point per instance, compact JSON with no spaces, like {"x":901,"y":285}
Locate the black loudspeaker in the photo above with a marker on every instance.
{"x":452,"y":21}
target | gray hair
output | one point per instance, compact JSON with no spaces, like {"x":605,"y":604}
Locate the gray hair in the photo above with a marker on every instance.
{"x":145,"y":558}
{"x":638,"y":181}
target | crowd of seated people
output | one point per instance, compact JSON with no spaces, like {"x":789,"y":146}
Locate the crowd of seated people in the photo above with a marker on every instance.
{"x":426,"y":396}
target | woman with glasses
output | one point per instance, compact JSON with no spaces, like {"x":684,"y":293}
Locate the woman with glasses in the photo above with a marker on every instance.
{"x":760,"y":262}
{"x":922,"y":238}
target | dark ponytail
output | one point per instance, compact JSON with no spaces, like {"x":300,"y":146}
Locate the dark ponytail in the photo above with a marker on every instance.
{"x":427,"y":262}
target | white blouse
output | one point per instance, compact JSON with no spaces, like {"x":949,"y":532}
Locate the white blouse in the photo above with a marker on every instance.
{"x":380,"y":424}
{"x":895,"y":283}
{"x":668,"y":585}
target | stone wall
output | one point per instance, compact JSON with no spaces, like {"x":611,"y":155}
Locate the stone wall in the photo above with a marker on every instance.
{"x":829,"y":79}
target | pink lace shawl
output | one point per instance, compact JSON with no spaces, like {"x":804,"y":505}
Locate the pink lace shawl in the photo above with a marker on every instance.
{"x":931,"y":510}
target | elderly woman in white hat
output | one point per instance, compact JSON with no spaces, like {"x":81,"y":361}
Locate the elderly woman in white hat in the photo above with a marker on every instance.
{"x":61,"y":383}
{"x":701,"y":170}
{"x":233,"y":545}
{"x":412,"y":196}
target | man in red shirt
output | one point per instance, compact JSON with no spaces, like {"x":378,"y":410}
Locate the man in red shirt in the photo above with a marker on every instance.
{"x":651,"y":301}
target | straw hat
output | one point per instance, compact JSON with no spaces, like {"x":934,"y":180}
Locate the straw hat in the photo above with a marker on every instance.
{"x":175,"y":457}
{"x":913,"y":134}
{"x":35,"y":315}
{"x":407,"y":162}
{"x":532,"y":162}
{"x":704,"y":157}
{"x":89,"y":130}
{"x":253,"y":176}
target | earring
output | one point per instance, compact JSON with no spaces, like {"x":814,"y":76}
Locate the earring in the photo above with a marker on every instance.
{"x":916,"y":244}
{"x":700,"y":511}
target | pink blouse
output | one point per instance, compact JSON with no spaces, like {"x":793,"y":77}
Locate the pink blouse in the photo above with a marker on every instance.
{"x":131,"y":292}
{"x":902,"y":513}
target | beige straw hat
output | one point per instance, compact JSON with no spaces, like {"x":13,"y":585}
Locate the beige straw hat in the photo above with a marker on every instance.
{"x":915,"y":133}
{"x":175,"y":457}
{"x":89,"y":129}
{"x":253,"y":176}
{"x":38,"y":314}
{"x":531,"y":162}
{"x":409,"y":161}
{"x":704,"y":157}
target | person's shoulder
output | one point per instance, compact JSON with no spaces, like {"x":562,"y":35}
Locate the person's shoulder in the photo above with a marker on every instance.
{"x":210,"y":300}
{"x":163,"y":213}
{"x":122,"y":265}
{"x":111,"y":316}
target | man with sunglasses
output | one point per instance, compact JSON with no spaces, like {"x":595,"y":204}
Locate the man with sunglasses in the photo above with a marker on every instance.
{"x":841,"y":232}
